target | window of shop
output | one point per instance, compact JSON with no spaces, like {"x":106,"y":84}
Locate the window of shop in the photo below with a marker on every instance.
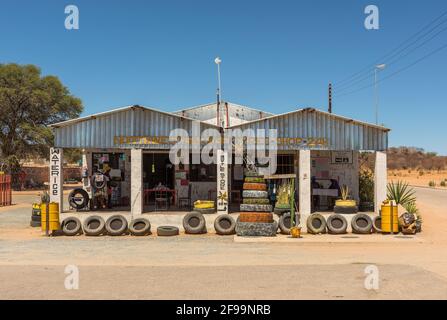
{"x":285,"y":164}
{"x":202,"y":172}
{"x":115,"y":161}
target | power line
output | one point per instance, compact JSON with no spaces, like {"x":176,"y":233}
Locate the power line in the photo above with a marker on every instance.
{"x":398,"y":71}
{"x":344,"y":88}
{"x":392,"y":51}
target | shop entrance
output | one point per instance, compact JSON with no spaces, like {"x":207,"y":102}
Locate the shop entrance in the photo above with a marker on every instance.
{"x":158,"y":180}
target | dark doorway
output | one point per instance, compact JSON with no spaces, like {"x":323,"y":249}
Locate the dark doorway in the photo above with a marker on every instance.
{"x":158,"y":170}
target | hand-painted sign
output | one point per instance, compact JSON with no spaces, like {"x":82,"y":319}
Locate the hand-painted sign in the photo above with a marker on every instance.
{"x":222,"y":181}
{"x":56,"y":176}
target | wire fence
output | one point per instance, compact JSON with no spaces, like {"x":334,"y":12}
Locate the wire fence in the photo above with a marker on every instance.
{"x":5,"y":190}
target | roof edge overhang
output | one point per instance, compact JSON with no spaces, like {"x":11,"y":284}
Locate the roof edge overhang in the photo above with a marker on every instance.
{"x":310,"y":109}
{"x":121,"y":109}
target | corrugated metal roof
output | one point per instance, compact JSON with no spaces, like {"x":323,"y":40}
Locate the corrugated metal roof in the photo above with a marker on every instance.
{"x":340,"y":133}
{"x":208,"y":112}
{"x":101,"y":130}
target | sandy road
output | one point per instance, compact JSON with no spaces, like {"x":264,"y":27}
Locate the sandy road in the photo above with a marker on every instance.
{"x":208,"y":266}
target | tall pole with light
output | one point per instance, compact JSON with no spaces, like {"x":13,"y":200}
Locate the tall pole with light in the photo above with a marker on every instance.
{"x":219,"y":89}
{"x":377,"y":68}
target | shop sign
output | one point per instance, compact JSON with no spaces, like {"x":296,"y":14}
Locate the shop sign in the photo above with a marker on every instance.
{"x":341,"y":157}
{"x":222,"y":181}
{"x":56,"y":176}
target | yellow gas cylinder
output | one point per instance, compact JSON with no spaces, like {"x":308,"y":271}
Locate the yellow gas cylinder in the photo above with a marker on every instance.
{"x":53,"y":216}
{"x":389,"y":216}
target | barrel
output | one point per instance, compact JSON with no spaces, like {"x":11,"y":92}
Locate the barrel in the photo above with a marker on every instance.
{"x":53,"y":220}
{"x":389,"y":213}
{"x":36,"y":209}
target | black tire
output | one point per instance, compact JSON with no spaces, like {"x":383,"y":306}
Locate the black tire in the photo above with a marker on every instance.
{"x":284,"y":223}
{"x":167,"y":231}
{"x":377,"y":224}
{"x":78,"y":199}
{"x":93,"y":226}
{"x":225,"y":225}
{"x":280,"y":211}
{"x":316,"y":224}
{"x":35,"y":224}
{"x":361,"y":223}
{"x":35,"y":218}
{"x":71,"y":226}
{"x":140,"y":227}
{"x":194,"y":223}
{"x":337,"y":224}
{"x":205,"y":211}
{"x":346,"y":209}
{"x":116,"y":225}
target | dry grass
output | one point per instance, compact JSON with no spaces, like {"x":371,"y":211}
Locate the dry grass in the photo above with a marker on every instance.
{"x":419,"y":177}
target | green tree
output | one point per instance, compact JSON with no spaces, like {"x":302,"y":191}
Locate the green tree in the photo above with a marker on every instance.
{"x":29,"y":102}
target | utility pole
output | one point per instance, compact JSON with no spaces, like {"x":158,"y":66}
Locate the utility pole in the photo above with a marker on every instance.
{"x":330,"y":98}
{"x":377,"y":68}
{"x":219,"y":93}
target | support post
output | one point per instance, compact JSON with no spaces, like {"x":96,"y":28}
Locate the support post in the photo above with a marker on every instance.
{"x":56,"y":183}
{"x":380,"y":180}
{"x":136,"y":180}
{"x":304,"y":182}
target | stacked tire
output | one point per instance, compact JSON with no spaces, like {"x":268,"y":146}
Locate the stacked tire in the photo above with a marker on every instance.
{"x":35,"y":216}
{"x":255,"y":219}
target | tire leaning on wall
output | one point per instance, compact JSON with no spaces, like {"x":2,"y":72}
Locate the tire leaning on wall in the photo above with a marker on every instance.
{"x":116,"y":225}
{"x":284,"y":223}
{"x":194,"y":223}
{"x":316,"y":224}
{"x":362,"y":224}
{"x":140,"y":227}
{"x":377,"y":224}
{"x":71,"y":226}
{"x":93,"y":226}
{"x":337,"y":224}
{"x":225,"y":225}
{"x":78,"y":193}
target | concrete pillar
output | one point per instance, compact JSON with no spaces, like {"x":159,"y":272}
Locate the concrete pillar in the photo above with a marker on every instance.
{"x":355,"y":176}
{"x":380,"y":180}
{"x":56,"y":183}
{"x":304,"y":182}
{"x":136,"y":180}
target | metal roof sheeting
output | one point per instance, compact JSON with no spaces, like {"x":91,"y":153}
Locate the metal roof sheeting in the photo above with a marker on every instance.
{"x":340,"y":133}
{"x":98,"y":131}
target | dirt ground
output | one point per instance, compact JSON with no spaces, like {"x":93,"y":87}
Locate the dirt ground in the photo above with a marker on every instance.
{"x":214,"y":267}
{"x":419,"y":178}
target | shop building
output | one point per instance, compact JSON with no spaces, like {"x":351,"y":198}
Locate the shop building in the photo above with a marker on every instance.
{"x":134,"y":143}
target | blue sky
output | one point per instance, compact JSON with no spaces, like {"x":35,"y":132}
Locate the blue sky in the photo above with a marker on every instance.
{"x":277,"y":56}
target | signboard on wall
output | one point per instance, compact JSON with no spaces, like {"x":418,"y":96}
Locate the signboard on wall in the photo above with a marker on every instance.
{"x":222,"y":181}
{"x":341,"y":157}
{"x":56,"y":176}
